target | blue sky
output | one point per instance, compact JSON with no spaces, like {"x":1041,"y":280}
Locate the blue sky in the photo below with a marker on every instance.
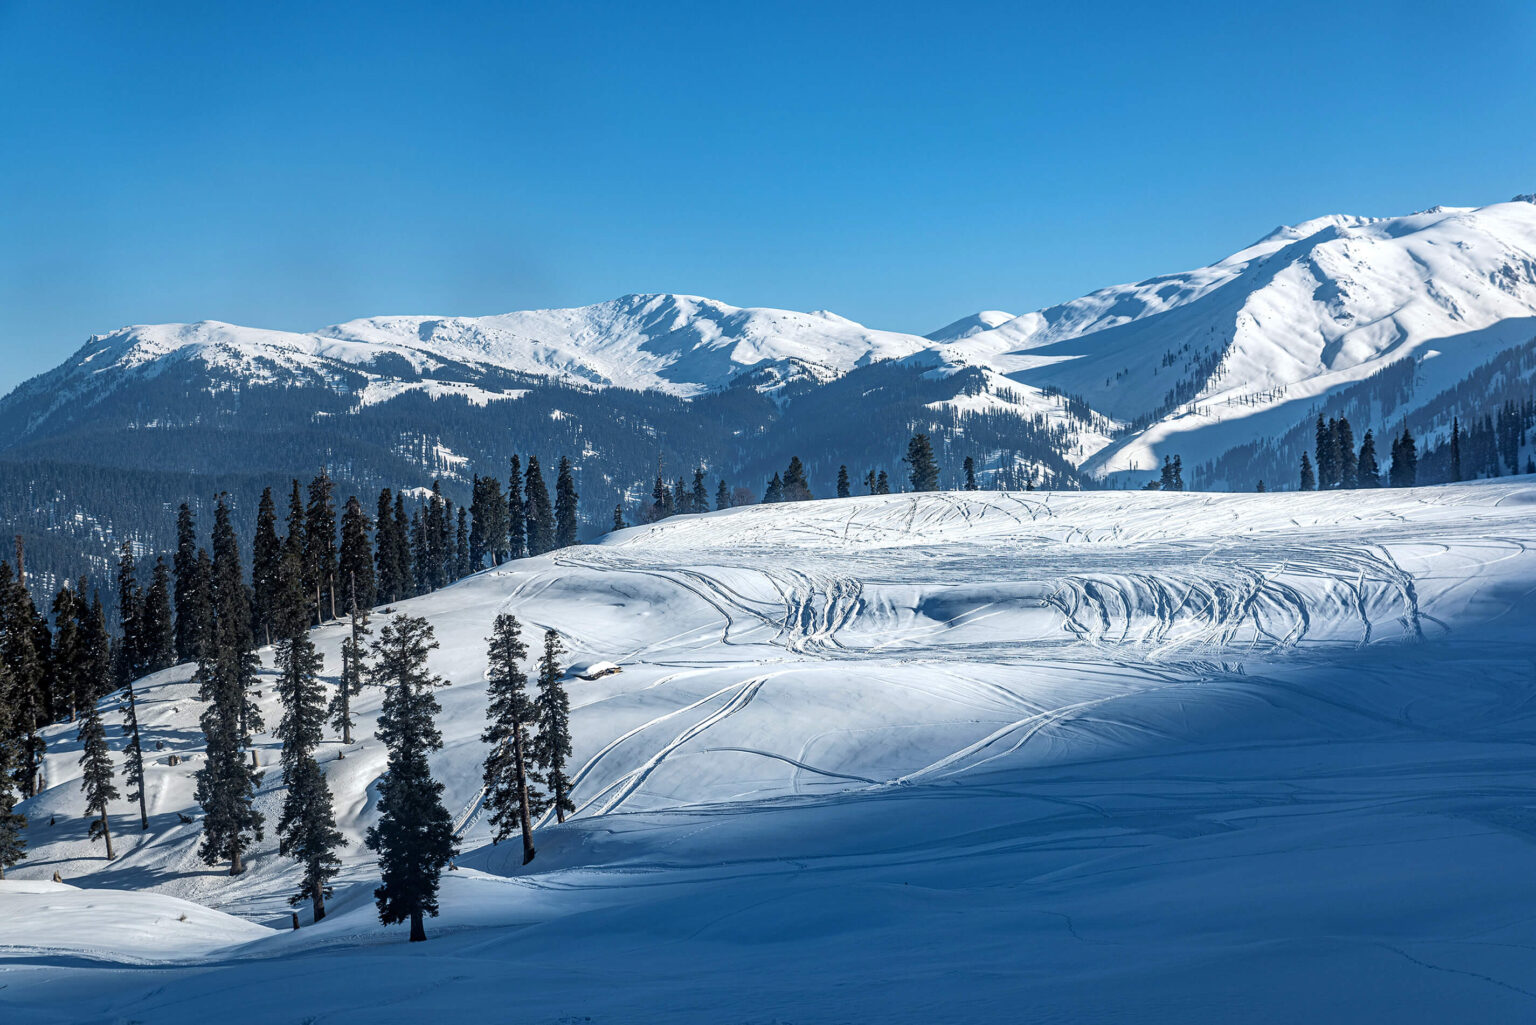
{"x":904,"y":164}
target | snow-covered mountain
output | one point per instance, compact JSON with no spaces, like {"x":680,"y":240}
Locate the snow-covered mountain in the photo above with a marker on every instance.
{"x":1237,"y":351}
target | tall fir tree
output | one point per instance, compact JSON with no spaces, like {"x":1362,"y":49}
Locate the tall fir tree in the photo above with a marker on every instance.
{"x":435,"y":546}
{"x":722,"y":495}
{"x":25,"y":661}
{"x":130,"y":611}
{"x":353,"y":670}
{"x":843,"y":490}
{"x":232,"y":618}
{"x":883,"y":484}
{"x":414,"y":835}
{"x":96,"y":780}
{"x":133,"y":755}
{"x":189,"y":615}
{"x":618,"y":517}
{"x":924,"y":469}
{"x":796,"y":487}
{"x":401,"y":535}
{"x":65,"y":660}
{"x":266,"y":567}
{"x":1455,"y":449}
{"x":307,"y":826}
{"x":567,"y":526}
{"x":552,"y":743}
{"x":970,"y":473}
{"x":421,"y":555}
{"x":774,"y":492}
{"x":510,"y":795}
{"x":13,"y":824}
{"x":700,"y":496}
{"x":355,"y":581}
{"x":157,"y":631}
{"x":1367,"y":471}
{"x":387,"y":574}
{"x":1308,"y":478}
{"x":537,"y":510}
{"x":517,"y":521}
{"x":461,"y":559}
{"x":320,"y":545}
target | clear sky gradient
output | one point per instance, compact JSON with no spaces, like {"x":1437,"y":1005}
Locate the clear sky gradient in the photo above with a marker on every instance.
{"x":904,"y":164}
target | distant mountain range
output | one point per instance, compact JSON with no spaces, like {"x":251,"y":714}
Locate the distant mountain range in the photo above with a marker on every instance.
{"x":1408,"y":319}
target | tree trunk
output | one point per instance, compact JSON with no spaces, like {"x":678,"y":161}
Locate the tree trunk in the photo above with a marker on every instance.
{"x":317,"y":898}
{"x":522,"y":793}
{"x":106,"y":832}
{"x":235,"y":865}
{"x":418,"y":929}
{"x":143,"y":808}
{"x":333,"y":598}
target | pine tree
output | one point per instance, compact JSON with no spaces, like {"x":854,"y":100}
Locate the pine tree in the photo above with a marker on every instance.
{"x":924,"y":473}
{"x":618,"y":517}
{"x":1260,"y":488}
{"x":681,"y":502}
{"x":320,"y":546}
{"x":509,"y":793}
{"x":157,"y":632}
{"x":1455,"y":448}
{"x":226,"y":784}
{"x":1178,"y":473}
{"x":353,"y":670}
{"x":95,"y":649}
{"x":1308,"y":481}
{"x":566,"y":524}
{"x":266,"y":565}
{"x":387,"y":571}
{"x":96,"y":780}
{"x":552,"y":744}
{"x":414,"y":836}
{"x":189,"y":618}
{"x":774,"y":492}
{"x":1165,"y":482}
{"x":307,"y":827}
{"x":869,"y":482}
{"x":488,"y":527}
{"x":66,"y":656}
{"x":1344,"y":454}
{"x":133,"y":756}
{"x":1367,"y":472}
{"x":970,"y":474}
{"x":843,"y":490}
{"x":517,"y":516}
{"x":296,"y":542}
{"x":882,"y":484}
{"x":722,"y":495}
{"x":26,"y":667}
{"x":461,"y":566}
{"x":231,"y":601}
{"x":401,"y":535}
{"x":199,"y":610}
{"x":421,"y":555}
{"x":354,"y":568}
{"x":1325,"y":448}
{"x":13,"y":824}
{"x":661,"y":500}
{"x":130,"y":597}
{"x":796,"y":488}
{"x":537,"y":511}
{"x":700,"y":497}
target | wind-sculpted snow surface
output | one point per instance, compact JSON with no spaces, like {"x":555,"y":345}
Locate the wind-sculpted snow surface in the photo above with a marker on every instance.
{"x":1042,"y":757}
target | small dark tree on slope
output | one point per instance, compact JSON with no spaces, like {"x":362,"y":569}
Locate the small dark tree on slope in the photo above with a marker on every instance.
{"x":414,"y":836}
{"x":355,"y":580}
{"x":723,"y":495}
{"x":552,"y":745}
{"x":537,"y":512}
{"x":187,"y":600}
{"x":157,"y":628}
{"x":970,"y":474}
{"x":1308,"y":480}
{"x":96,"y":781}
{"x":566,"y":524}
{"x":266,"y":567}
{"x":509,"y":795}
{"x":133,"y":756}
{"x":924,"y":472}
{"x":842,"y":482}
{"x":1366,"y":470}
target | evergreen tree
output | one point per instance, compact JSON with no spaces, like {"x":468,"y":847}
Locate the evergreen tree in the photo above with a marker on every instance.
{"x":509,"y":793}
{"x":414,"y":836}
{"x":401,"y":535}
{"x":795,"y":486}
{"x":353,"y":670}
{"x":1308,"y":481}
{"x":661,"y":500}
{"x":67,"y":685}
{"x":1405,"y":461}
{"x":869,"y":482}
{"x":537,"y":511}
{"x":96,"y":780}
{"x":307,"y":827}
{"x":882,"y":484}
{"x":26,"y":667}
{"x":266,"y":565}
{"x":388,"y":573}
{"x":133,"y":756}
{"x":296,"y":541}
{"x":970,"y":474}
{"x":566,"y":525}
{"x":774,"y":492}
{"x":618,"y":517}
{"x":13,"y":824}
{"x":1178,"y":473}
{"x":842,"y":482}
{"x":722,"y":495}
{"x":681,"y":502}
{"x":1260,"y":488}
{"x":130,"y":597}
{"x":1455,"y":448}
{"x":1344,"y":454}
{"x":461,"y":566}
{"x":95,"y":649}
{"x":232,"y":621}
{"x":1326,"y":449}
{"x":924,"y":473}
{"x":700,"y":497}
{"x":320,"y":546}
{"x":189,"y":617}
{"x":354,"y":567}
{"x":517,"y":516}
{"x":1165,"y":482}
{"x":157,"y":635}
{"x":421,"y":556}
{"x":552,"y":744}
{"x":488,"y":523}
{"x":199,"y":612}
{"x":1367,"y":472}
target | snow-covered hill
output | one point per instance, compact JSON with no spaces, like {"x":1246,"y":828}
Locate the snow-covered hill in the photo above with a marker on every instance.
{"x":1139,"y":756}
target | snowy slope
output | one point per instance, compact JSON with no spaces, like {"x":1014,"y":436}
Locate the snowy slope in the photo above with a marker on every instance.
{"x":946,"y":757}
{"x":1307,"y":309}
